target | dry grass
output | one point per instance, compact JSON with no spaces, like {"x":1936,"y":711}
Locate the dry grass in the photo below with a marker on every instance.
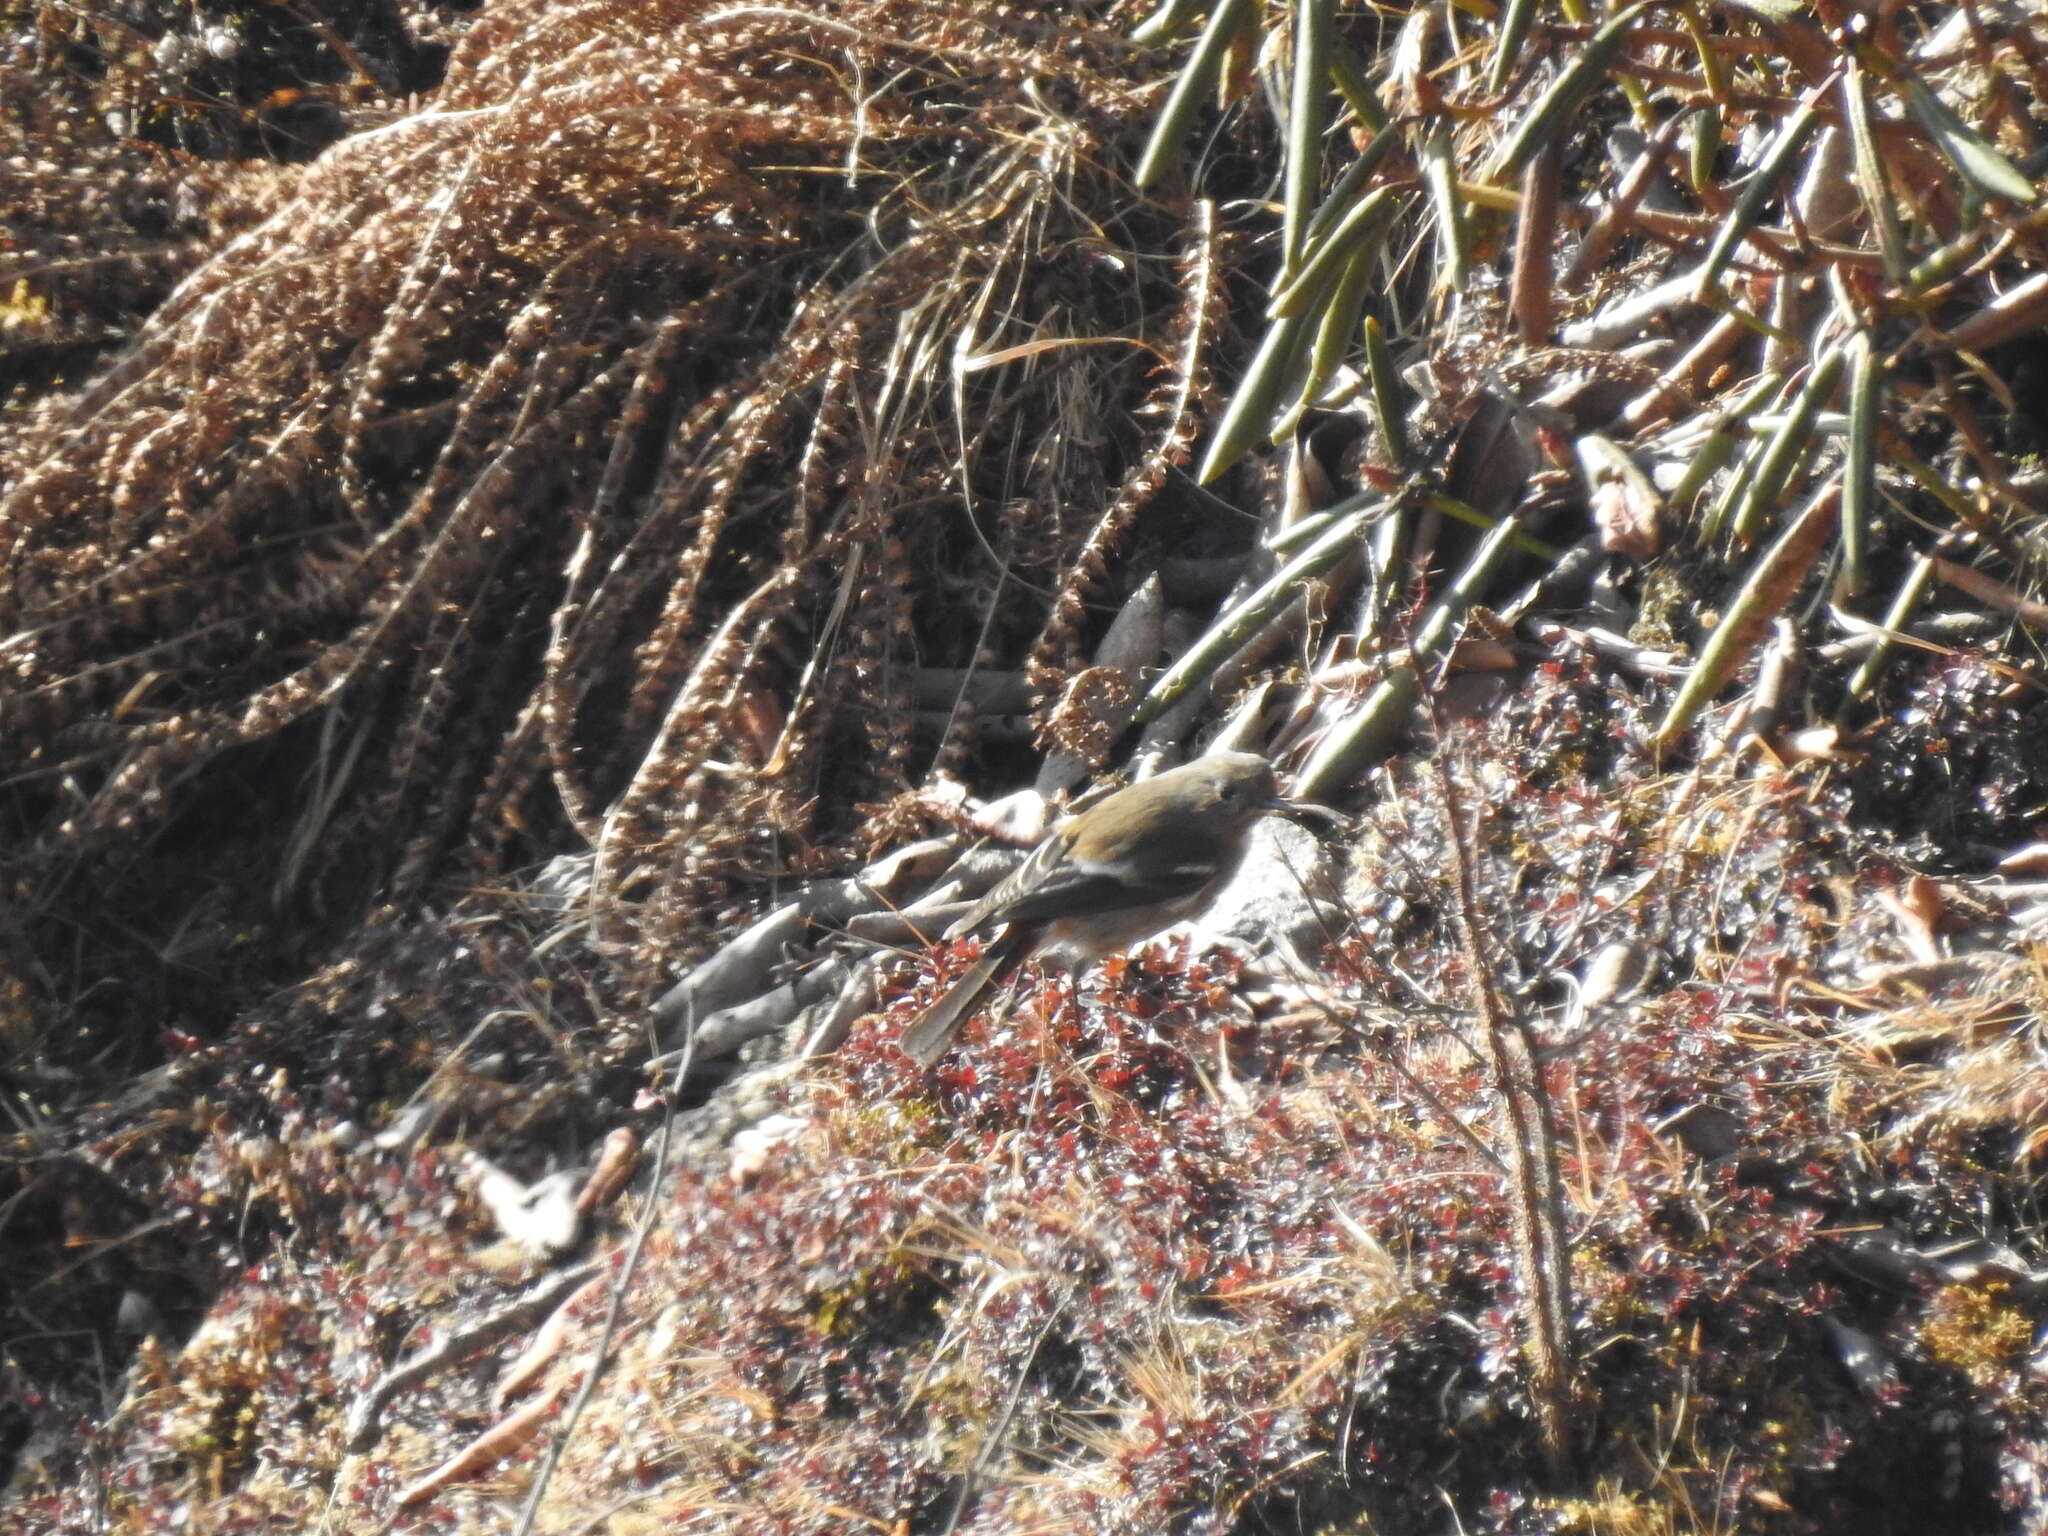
{"x":602,"y":450}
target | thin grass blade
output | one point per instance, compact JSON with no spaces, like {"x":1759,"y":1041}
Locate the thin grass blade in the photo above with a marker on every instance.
{"x":1191,"y":87}
{"x":1389,"y":395}
{"x":1769,"y":587}
{"x":1375,"y":728}
{"x":1870,"y":174}
{"x":1515,"y":22}
{"x":1963,"y":147}
{"x":1440,"y":175}
{"x":1336,"y":330}
{"x":1257,"y":608}
{"x":1307,"y":116}
{"x":1548,"y":118}
{"x":1350,"y":186}
{"x":1749,"y":208}
{"x":1356,"y":87}
{"x":1908,"y":597}
{"x":1785,"y":447}
{"x":1170,"y":20}
{"x":1362,"y":229}
{"x":1859,"y":474}
{"x":1249,"y":418}
{"x":1719,"y":446}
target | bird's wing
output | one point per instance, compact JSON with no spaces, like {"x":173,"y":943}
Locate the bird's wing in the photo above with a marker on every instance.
{"x":1055,"y":882}
{"x":1078,"y":890}
{"x":1071,"y":889}
{"x":993,"y":909}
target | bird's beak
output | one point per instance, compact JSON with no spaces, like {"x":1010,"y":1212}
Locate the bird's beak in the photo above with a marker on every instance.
{"x":1308,"y":810}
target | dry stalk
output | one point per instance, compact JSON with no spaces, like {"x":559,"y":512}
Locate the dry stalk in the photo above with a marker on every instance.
{"x":1535,"y":1189}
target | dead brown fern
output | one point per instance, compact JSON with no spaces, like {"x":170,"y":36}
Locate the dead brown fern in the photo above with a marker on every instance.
{"x":660,"y":375}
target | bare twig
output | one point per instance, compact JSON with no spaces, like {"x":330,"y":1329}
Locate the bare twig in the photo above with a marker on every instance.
{"x":1542,"y":1256}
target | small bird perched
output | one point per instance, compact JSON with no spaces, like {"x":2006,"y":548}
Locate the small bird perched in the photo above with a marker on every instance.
{"x":1131,"y":864}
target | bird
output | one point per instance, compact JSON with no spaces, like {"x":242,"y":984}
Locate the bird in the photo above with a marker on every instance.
{"x":1133,"y":863}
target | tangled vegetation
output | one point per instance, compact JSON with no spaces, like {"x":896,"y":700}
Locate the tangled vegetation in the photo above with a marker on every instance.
{"x":683,"y":440}
{"x":599,"y":451}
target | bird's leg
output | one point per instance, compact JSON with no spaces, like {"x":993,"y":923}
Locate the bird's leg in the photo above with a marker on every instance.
{"x":1059,"y":991}
{"x":999,"y":1011}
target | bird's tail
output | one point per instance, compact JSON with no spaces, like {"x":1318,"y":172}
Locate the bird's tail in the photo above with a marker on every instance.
{"x":933,"y":1030}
